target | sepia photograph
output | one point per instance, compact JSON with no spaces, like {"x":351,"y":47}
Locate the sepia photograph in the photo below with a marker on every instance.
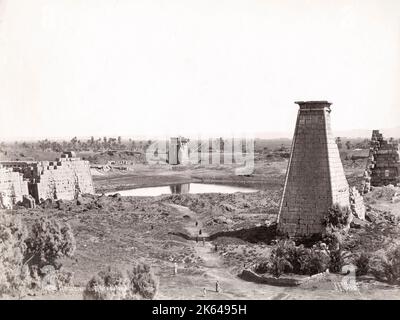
{"x":199,"y":154}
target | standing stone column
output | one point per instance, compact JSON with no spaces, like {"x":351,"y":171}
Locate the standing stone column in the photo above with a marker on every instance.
{"x":315,"y":177}
{"x":173,"y":151}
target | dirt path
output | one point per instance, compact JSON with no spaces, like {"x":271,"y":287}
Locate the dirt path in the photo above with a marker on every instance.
{"x":191,"y":286}
{"x":203,"y":249}
{"x":232,"y":287}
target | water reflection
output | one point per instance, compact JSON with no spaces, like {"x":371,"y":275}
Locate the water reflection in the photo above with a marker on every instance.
{"x":183,"y":188}
{"x":180,"y":188}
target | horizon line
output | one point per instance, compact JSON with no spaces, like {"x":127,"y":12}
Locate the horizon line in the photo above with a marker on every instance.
{"x":271,"y":135}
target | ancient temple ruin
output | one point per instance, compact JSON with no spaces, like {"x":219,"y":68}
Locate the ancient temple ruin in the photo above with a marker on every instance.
{"x":13,"y":188}
{"x":315,"y":178}
{"x":65,"y":178}
{"x":383,"y":165}
{"x":178,"y":152}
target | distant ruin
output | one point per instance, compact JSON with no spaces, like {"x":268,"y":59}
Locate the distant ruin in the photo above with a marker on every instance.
{"x":178,"y":152}
{"x":65,"y":178}
{"x":383,"y":165}
{"x":315,"y":178}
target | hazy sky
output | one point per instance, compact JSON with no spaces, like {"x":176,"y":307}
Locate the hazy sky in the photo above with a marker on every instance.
{"x":80,"y":67}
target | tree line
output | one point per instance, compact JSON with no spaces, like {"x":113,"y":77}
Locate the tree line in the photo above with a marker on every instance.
{"x":92,"y":144}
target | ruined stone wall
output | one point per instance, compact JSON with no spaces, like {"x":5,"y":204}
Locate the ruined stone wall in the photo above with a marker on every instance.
{"x":315,"y":178}
{"x":12,"y":188}
{"x":357,"y":205}
{"x":383,"y":165}
{"x":64,"y":179}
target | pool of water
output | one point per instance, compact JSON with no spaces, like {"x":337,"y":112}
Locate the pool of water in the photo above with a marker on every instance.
{"x":183,"y":188}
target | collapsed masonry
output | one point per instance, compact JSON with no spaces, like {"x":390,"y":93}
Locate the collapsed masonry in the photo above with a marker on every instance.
{"x":178,"y":151}
{"x":383,"y":165}
{"x":65,"y":178}
{"x":315,"y":178}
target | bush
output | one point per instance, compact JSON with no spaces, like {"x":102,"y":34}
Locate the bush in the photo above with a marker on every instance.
{"x":286,"y":257}
{"x":279,"y":265}
{"x":49,"y":279}
{"x":314,"y":261}
{"x":13,"y":273}
{"x":387,"y":267}
{"x":263,"y":267}
{"x":112,"y":284}
{"x":338,"y":217}
{"x":49,"y":241}
{"x":143,"y":283}
{"x":107,"y":285}
{"x":338,"y":259}
{"x":280,"y":260}
{"x":392,"y":265}
{"x":333,"y":238}
{"x":30,"y":263}
{"x":362,"y":262}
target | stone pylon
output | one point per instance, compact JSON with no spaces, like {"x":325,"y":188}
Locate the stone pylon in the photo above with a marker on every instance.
{"x":315,"y":178}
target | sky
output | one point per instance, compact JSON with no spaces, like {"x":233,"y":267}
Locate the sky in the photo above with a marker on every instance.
{"x":205,"y":67}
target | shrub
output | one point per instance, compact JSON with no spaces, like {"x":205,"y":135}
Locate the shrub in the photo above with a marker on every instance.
{"x":387,"y":267}
{"x":314,"y":261}
{"x":29,"y":263}
{"x":279,"y":260}
{"x":112,"y":284}
{"x":107,"y":285}
{"x":338,"y":259}
{"x":49,"y":279}
{"x":286,"y":257}
{"x":262,"y":267}
{"x":143,"y":283}
{"x":362,"y":262}
{"x":392,"y":265}
{"x":279,"y":266}
{"x":338,"y":217}
{"x":13,"y":273}
{"x":333,"y":238}
{"x":49,"y":241}
{"x":295,"y":256}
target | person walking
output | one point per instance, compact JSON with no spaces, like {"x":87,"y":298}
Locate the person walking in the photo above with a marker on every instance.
{"x":217,"y":287}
